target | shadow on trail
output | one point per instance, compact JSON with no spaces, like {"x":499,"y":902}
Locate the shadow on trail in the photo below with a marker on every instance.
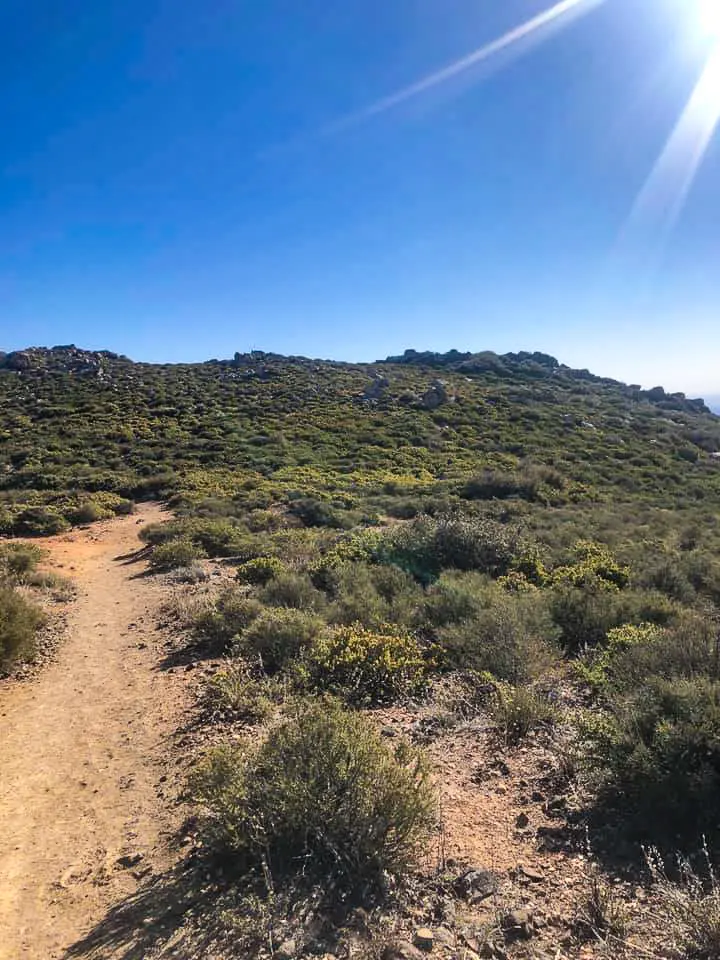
{"x":135,"y":556}
{"x":163,"y":913}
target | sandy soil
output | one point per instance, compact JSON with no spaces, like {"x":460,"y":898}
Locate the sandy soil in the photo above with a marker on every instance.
{"x":85,"y":753}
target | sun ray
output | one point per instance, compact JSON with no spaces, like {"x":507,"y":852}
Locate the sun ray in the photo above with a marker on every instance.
{"x":563,"y":10}
{"x":664,"y":193}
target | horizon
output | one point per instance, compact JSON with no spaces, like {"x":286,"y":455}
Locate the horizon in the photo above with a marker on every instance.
{"x":711,"y":399}
{"x":343,"y":182}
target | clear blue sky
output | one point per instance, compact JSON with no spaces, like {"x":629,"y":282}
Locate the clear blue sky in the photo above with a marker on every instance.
{"x":180,"y":180}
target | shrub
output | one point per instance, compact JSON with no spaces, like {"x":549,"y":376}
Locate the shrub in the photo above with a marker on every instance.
{"x":512,"y":639}
{"x":317,"y":513}
{"x":585,"y":613}
{"x":19,"y":622}
{"x":279,"y":635}
{"x":454,"y":598}
{"x":39,"y":522}
{"x":174,"y":554}
{"x":17,"y":560}
{"x":519,"y":710}
{"x":89,"y":512}
{"x":232,"y":692}
{"x":221,"y":622}
{"x":593,"y":563}
{"x":260,"y":571}
{"x":322,"y":796}
{"x":426,"y":546}
{"x":292,"y":590}
{"x":369,"y":665}
{"x":689,"y":907}
{"x":659,"y":750}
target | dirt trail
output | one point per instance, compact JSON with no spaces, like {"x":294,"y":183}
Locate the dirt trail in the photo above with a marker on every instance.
{"x":85,"y":752}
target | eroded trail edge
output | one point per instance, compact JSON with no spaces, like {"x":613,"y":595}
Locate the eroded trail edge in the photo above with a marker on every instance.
{"x":86,"y":769}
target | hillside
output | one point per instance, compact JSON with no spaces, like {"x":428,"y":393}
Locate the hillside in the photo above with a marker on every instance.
{"x":448,"y":626}
{"x":76,"y":424}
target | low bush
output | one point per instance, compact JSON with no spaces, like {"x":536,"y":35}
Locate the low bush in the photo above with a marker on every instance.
{"x":221,"y":621}
{"x":233,"y":693}
{"x":19,"y":622}
{"x":39,"y":522}
{"x":174,"y":554}
{"x":658,"y":750}
{"x":292,"y":590}
{"x":517,"y":711}
{"x":17,"y":560}
{"x":260,"y":571}
{"x":278,"y":635}
{"x":426,"y":546}
{"x":369,"y":665}
{"x":514,"y":639}
{"x":688,"y":907}
{"x":323,"y":796}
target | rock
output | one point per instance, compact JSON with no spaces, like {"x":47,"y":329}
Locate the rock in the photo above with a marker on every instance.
{"x":377,"y":389}
{"x":535,"y":875}
{"x":402,"y":950}
{"x":522,"y":821}
{"x":435,"y":396}
{"x":424,"y":938}
{"x":476,"y":884}
{"x":517,"y":925}
{"x":537,"y":797}
{"x":129,"y":860}
{"x":287,"y":950}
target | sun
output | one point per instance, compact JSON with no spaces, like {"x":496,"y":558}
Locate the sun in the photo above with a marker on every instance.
{"x":709,"y":15}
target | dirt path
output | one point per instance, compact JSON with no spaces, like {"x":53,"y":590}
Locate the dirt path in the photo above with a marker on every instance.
{"x":84,"y":753}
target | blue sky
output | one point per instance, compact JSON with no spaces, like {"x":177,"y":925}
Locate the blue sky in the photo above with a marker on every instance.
{"x":180,"y":181}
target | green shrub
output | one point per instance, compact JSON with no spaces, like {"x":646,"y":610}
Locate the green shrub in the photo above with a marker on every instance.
{"x":323,"y":796}
{"x":517,"y":711}
{"x":292,"y":590}
{"x":174,"y":554}
{"x":658,"y":755}
{"x":317,"y":513}
{"x":233,"y":692}
{"x":19,"y":622}
{"x":585,"y":613}
{"x":89,"y":512}
{"x":17,"y":560}
{"x":594,"y":564}
{"x":514,"y":639}
{"x":223,"y":621}
{"x":454,"y":598}
{"x":260,"y":571}
{"x":39,"y":522}
{"x":369,"y":665}
{"x":278,"y":635}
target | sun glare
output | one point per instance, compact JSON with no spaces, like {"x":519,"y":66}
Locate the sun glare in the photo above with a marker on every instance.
{"x":709,"y":13}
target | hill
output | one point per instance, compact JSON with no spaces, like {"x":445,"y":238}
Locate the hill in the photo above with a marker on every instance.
{"x":84,"y":431}
{"x":450,"y":626}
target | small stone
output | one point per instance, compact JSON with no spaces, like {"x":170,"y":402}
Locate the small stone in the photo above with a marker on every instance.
{"x":402,"y":950}
{"x":476,"y":883}
{"x":518,"y":925}
{"x":522,"y":821}
{"x":535,"y":875}
{"x":129,"y":860}
{"x":287,"y":950}
{"x":537,"y":797}
{"x":424,"y":938}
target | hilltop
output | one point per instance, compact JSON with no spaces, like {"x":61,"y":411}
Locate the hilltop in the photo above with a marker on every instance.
{"x":80,"y":425}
